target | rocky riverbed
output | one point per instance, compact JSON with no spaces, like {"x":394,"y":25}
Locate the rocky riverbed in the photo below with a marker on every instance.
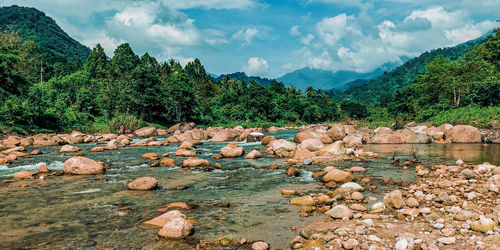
{"x":327,"y":186}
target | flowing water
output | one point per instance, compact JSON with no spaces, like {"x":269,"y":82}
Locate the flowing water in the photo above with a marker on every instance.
{"x":94,"y":212}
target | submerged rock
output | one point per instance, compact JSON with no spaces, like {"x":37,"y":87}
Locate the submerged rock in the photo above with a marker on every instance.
{"x":82,"y":166}
{"x":161,"y":220}
{"x":143,"y":183}
{"x":23,"y":175}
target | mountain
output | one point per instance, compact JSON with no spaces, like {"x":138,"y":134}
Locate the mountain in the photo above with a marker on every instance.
{"x":327,"y":80}
{"x":388,"y":84}
{"x":32,"y":24}
{"x":241,"y":76}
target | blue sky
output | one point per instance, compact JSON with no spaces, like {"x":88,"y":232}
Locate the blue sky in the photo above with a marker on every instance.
{"x":271,"y":38}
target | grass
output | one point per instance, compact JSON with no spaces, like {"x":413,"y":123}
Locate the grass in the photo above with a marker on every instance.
{"x":482,"y":117}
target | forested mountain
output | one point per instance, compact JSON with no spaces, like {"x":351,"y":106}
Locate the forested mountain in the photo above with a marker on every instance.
{"x":387,"y":84}
{"x":33,"y":25}
{"x":327,"y":80}
{"x":241,"y":76}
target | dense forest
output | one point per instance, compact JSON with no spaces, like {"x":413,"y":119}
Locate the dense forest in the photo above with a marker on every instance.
{"x":42,"y":89}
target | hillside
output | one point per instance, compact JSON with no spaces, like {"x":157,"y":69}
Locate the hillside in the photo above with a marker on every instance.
{"x":327,"y":80}
{"x":387,"y":84}
{"x":243,"y":77}
{"x":33,"y":25}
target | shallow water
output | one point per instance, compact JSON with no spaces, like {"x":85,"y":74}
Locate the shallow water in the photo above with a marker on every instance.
{"x":87,"y":212}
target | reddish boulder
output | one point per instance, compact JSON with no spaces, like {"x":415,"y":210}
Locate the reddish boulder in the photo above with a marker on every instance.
{"x":464,"y":134}
{"x":232,"y":150}
{"x":82,"y":166}
{"x":143,"y":184}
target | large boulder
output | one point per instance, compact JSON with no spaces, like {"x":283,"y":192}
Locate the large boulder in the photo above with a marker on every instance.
{"x":268,"y":139}
{"x":195,"y":162}
{"x":143,"y":184}
{"x":464,"y":134}
{"x":176,"y":228}
{"x":307,"y":134}
{"x":394,"y":199}
{"x":353,"y":141}
{"x":336,"y":148}
{"x":181,"y":127}
{"x":146,"y":131}
{"x":302,"y":154}
{"x":11,"y":141}
{"x":338,"y":176}
{"x":82,"y":166}
{"x":282,"y":148}
{"x":312,"y":144}
{"x":225,"y":135}
{"x":336,"y":132}
{"x":185,"y":153}
{"x":232,"y":150}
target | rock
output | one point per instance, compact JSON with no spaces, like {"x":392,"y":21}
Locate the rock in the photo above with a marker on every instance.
{"x":357,"y":196}
{"x":176,"y":228}
{"x":394,"y":199}
{"x":68,"y":149}
{"x":467,"y":173}
{"x":312,"y":144}
{"x":195,"y":162}
{"x":377,"y":207}
{"x":464,"y":134}
{"x":412,"y":202}
{"x":483,"y":225}
{"x":26,"y":142}
{"x":350,"y":243}
{"x":447,"y":240}
{"x":160,"y":221}
{"x":254,"y":154}
{"x":303,"y":154}
{"x":232,"y":150}
{"x":82,"y":166}
{"x":336,"y":148}
{"x":303,"y":201}
{"x":150,"y":156}
{"x":338,"y":176}
{"x":267,"y":139}
{"x":23,"y":175}
{"x":352,"y":185}
{"x":43,"y":169}
{"x":11,"y":141}
{"x":143,"y":183}
{"x":358,"y":207}
{"x":358,"y":169}
{"x":282,"y":145}
{"x":182,"y":127}
{"x":339,"y":212}
{"x":307,"y":134}
{"x":288,"y":192}
{"x":146,"y":131}
{"x":185,"y":153}
{"x":292,"y":172}
{"x":97,"y":149}
{"x":336,"y":132}
{"x":178,"y":205}
{"x":167,"y":162}
{"x":353,"y":141}
{"x":402,"y":244}
{"x":225,"y":135}
{"x":36,"y":152}
{"x":260,"y":245}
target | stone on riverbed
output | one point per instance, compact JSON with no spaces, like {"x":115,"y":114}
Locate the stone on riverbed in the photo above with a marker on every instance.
{"x":23,"y":175}
{"x":338,"y":176}
{"x":143,"y":184}
{"x":150,"y":156}
{"x":254,"y":154}
{"x":336,"y":148}
{"x":195,"y":162}
{"x":82,"y":166}
{"x":68,"y":149}
{"x":232,"y":150}
{"x":176,"y":228}
{"x":146,"y":131}
{"x":303,"y":201}
{"x":464,"y":134}
{"x":483,"y":225}
{"x":339,"y":212}
{"x":394,"y":199}
{"x":161,"y":220}
{"x":260,"y":245}
{"x":185,"y":152}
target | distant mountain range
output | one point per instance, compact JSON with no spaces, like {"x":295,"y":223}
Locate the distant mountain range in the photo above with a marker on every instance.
{"x":241,"y":76}
{"x":327,"y":80}
{"x":32,"y":24}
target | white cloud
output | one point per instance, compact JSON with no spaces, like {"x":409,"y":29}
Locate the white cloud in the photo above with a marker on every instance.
{"x":307,"y":39}
{"x":209,"y":4}
{"x":245,"y":36}
{"x":294,"y":30}
{"x":256,"y":66}
{"x":350,"y":42}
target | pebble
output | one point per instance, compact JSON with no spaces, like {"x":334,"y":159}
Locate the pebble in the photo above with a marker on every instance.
{"x":447,"y":240}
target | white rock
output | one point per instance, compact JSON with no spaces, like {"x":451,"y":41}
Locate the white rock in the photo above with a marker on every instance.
{"x":447,"y":240}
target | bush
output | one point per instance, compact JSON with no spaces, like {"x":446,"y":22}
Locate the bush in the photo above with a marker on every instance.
{"x":130,"y":123}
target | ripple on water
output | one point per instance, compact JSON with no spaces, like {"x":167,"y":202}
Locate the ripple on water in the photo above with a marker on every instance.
{"x":10,"y":171}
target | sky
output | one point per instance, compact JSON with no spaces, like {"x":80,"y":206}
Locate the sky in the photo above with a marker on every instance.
{"x":270,"y":38}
